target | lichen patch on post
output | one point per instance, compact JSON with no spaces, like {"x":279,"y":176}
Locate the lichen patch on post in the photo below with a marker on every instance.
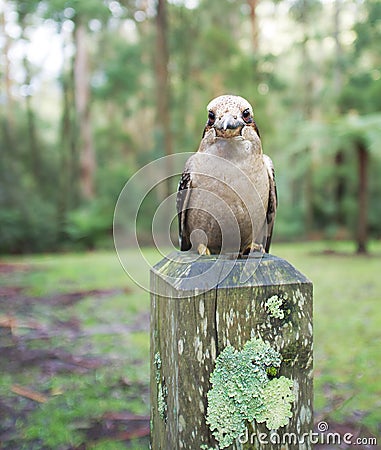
{"x":243,"y":390}
{"x":273,"y":306}
{"x":162,"y":391}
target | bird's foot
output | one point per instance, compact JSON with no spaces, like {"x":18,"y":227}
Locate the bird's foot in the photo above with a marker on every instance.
{"x":202,"y":249}
{"x":255,"y":248}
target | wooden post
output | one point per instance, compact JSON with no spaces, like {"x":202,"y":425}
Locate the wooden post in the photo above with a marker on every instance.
{"x":199,"y":305}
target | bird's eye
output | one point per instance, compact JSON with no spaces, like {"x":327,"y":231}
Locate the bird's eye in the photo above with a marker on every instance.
{"x":247,"y":116}
{"x":211,"y":118}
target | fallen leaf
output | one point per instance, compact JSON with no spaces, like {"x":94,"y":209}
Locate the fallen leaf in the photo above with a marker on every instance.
{"x":29,"y":393}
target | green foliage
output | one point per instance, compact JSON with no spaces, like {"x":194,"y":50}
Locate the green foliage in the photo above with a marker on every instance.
{"x":28,"y":215}
{"x":242,"y":391}
{"x":86,"y":10}
{"x":90,"y":224}
{"x":120,"y":79}
{"x":33,"y":228}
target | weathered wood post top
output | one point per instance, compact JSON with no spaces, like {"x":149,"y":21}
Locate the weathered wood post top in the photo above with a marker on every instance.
{"x":231,"y":353}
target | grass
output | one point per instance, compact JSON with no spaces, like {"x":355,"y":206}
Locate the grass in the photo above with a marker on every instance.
{"x":107,"y":330}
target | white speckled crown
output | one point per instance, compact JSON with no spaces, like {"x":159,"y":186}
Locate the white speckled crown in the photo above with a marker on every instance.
{"x":229,"y":103}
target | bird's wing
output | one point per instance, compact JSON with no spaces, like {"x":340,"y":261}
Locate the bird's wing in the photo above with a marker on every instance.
{"x":273,"y":201}
{"x":182,"y":200}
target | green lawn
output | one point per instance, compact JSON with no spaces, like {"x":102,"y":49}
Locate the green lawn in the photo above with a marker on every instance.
{"x":80,"y":337}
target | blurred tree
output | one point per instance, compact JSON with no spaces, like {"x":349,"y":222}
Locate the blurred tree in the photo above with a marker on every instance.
{"x":254,"y":24}
{"x":6,"y":75}
{"x":82,"y":104}
{"x":163,"y":91}
{"x":360,"y":138}
{"x":25,"y":16}
{"x":362,"y":91}
{"x":80,"y":15}
{"x":305,"y":13}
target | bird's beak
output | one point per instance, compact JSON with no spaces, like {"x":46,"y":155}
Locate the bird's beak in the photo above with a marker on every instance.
{"x":228,"y":126}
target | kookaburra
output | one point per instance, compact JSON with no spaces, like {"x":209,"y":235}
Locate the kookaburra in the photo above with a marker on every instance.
{"x":227,"y":199}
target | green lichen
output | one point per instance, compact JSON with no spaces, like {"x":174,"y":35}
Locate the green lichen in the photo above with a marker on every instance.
{"x":277,"y":397}
{"x":273,"y":305}
{"x":242,"y":392}
{"x":161,"y":403}
{"x":162,"y":391}
{"x":157,"y":362}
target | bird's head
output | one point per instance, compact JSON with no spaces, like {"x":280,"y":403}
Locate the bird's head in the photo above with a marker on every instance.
{"x":228,"y":115}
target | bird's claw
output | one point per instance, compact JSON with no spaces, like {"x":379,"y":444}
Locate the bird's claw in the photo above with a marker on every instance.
{"x":202,"y":249}
{"x":254,"y":247}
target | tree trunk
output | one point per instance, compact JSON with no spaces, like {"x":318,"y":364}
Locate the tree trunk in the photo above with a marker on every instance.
{"x":254,"y":25}
{"x":338,"y":67}
{"x":68,"y":162}
{"x":362,"y":225}
{"x":34,"y":148}
{"x":340,"y":188}
{"x":307,"y":108}
{"x":338,"y":80}
{"x":82,"y":102}
{"x":6,"y":78}
{"x":162,"y":85}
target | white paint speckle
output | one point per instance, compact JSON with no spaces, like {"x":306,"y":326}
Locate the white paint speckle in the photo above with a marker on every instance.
{"x":197,"y":344}
{"x":180,"y":346}
{"x":201,"y":308}
{"x":213,"y":348}
{"x":204,"y":326}
{"x":305,"y":414}
{"x":199,"y":353}
{"x":182,"y":424}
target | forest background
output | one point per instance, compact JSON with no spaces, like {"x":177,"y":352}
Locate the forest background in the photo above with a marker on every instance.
{"x":93,"y":90}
